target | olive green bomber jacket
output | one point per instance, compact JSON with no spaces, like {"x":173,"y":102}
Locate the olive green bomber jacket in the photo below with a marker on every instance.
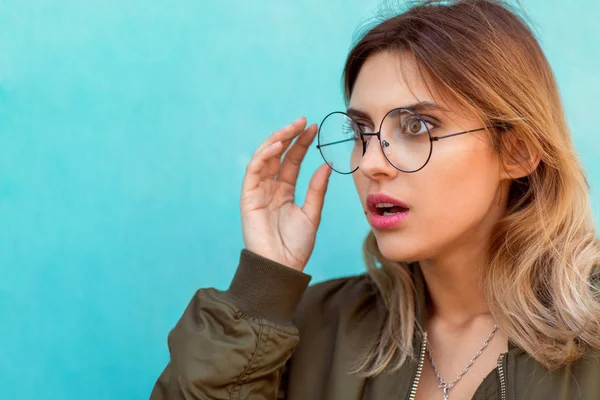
{"x":270,"y":337}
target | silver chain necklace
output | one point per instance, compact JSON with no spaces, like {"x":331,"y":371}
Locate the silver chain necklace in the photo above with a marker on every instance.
{"x":447,"y":386}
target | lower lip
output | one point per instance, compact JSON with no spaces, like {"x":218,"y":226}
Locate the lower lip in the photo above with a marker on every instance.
{"x":387,"y":221}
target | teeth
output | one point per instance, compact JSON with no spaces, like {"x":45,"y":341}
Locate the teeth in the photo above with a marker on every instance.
{"x":384,"y":205}
{"x":387,"y":214}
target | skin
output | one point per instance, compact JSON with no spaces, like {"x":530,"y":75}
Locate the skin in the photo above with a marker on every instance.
{"x":454,"y":203}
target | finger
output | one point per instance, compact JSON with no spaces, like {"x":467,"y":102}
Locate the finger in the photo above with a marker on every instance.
{"x":286,"y":144}
{"x":271,"y":168}
{"x":257,"y":164}
{"x":273,"y":164}
{"x":315,"y":196}
{"x":284,"y":134}
{"x":290,"y":167}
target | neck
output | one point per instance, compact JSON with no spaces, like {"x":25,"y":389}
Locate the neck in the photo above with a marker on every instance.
{"x":454,"y":277}
{"x":455,"y":289}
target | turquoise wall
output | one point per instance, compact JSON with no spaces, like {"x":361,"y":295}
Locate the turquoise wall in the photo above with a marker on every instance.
{"x":125,"y":128}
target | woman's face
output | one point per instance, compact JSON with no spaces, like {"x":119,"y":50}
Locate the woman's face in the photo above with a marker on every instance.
{"x":453,"y":201}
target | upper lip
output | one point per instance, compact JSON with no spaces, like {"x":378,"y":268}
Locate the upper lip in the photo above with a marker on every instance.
{"x":378,"y":198}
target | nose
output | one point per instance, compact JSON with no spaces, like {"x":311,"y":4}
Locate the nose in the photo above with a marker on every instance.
{"x":374,"y":164}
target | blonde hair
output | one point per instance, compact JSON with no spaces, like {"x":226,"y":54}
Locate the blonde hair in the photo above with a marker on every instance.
{"x":542,"y":273}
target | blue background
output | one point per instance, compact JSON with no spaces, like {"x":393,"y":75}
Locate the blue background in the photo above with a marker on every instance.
{"x":125,"y":128}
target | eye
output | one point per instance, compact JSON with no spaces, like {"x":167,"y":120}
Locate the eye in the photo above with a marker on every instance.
{"x":350,"y":129}
{"x":416,"y":126}
{"x":355,"y":129}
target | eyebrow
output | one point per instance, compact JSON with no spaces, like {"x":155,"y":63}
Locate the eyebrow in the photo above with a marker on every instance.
{"x":416,"y":107}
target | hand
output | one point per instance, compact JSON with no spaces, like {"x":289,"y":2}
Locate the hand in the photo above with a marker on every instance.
{"x":273,"y":225}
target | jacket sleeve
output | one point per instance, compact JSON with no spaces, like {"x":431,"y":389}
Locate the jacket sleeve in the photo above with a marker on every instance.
{"x":234,"y":344}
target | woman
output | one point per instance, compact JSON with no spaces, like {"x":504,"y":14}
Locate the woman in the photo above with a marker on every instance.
{"x":482,"y":260}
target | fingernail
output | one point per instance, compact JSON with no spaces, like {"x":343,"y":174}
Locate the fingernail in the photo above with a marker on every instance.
{"x":289,"y":125}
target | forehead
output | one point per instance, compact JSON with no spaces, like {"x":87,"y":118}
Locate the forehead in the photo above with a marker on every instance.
{"x":388,"y":80}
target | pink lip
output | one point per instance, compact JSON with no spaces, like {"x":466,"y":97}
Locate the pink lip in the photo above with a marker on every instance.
{"x":379,"y":221}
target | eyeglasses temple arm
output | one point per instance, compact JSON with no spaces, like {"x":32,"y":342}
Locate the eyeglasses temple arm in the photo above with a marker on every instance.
{"x":436,"y":138}
{"x":332,"y":143}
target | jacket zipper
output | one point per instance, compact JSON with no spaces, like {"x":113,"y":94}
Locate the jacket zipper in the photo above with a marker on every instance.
{"x":415,"y":385}
{"x":502,"y":377}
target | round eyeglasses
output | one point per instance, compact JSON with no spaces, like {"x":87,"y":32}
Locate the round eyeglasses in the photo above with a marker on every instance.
{"x":404,"y":137}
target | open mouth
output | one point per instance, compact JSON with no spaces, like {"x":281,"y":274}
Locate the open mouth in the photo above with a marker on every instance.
{"x":386,"y":212}
{"x":386,"y":209}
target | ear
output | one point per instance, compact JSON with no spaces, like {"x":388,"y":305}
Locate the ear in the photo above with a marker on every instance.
{"x":518,"y":159}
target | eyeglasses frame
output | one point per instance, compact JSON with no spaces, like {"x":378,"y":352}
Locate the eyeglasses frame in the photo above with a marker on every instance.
{"x":381,"y":144}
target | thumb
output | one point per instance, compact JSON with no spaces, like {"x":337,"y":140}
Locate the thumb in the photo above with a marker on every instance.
{"x":315,"y":196}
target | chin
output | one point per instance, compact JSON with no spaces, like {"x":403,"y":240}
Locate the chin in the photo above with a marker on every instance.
{"x":397,"y":247}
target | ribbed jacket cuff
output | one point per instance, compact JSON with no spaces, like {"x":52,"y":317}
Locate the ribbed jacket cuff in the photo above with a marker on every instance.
{"x":266,"y":289}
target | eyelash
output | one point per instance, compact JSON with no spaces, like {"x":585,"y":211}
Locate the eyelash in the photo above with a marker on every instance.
{"x":428,"y":119}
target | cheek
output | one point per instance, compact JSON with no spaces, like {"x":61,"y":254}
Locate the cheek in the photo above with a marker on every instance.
{"x":457,"y":193}
{"x":451,"y":197}
{"x":361,"y":183}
